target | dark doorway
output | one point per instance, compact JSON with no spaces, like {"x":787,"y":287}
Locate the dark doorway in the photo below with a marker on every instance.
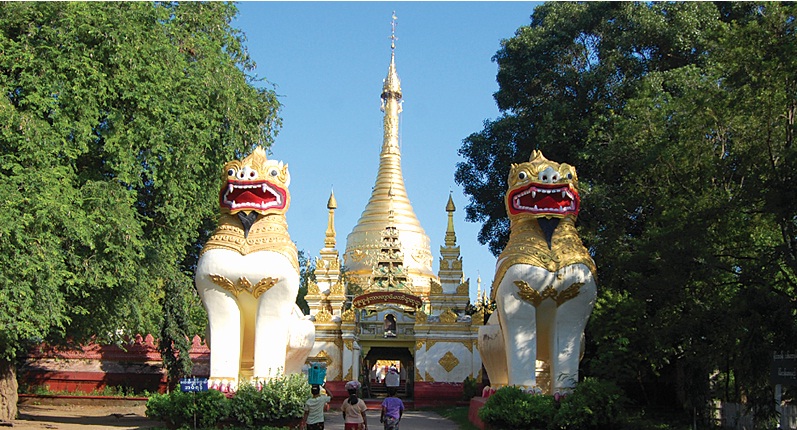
{"x":380,"y":361}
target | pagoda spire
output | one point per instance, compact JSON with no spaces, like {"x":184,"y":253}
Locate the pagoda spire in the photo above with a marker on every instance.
{"x":332,"y":204}
{"x":450,"y":259}
{"x":389,"y":204}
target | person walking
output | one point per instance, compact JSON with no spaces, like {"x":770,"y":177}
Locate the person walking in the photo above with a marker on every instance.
{"x":314,"y":409}
{"x":354,"y":409}
{"x":392,"y":410}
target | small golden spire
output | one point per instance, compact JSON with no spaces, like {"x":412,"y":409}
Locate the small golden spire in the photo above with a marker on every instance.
{"x":329,"y":240}
{"x":451,"y":236}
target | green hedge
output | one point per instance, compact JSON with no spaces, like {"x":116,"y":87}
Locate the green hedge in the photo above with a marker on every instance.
{"x":594,"y":405}
{"x":278,"y":401}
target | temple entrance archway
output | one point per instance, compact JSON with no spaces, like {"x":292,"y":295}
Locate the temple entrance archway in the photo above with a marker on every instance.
{"x":377,"y":363}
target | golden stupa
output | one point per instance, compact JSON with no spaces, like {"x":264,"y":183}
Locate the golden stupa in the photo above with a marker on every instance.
{"x":389,"y":206}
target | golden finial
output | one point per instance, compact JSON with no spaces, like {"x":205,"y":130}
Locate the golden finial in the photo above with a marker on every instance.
{"x":329,"y":240}
{"x":332,"y":203}
{"x":393,"y":37}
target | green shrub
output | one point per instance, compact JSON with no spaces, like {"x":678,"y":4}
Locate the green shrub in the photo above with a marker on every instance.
{"x":279,"y":400}
{"x":594,"y":404}
{"x":470,"y":388}
{"x":510,"y":408}
{"x":282,"y":398}
{"x":176,"y":409}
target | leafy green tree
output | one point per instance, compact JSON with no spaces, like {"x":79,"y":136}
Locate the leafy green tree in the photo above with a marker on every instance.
{"x":114,"y":120}
{"x":680,"y":119}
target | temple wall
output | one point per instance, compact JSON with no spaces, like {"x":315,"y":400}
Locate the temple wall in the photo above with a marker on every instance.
{"x":92,"y":367}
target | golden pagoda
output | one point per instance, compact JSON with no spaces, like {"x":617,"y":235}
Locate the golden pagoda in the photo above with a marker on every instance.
{"x":384,"y":306}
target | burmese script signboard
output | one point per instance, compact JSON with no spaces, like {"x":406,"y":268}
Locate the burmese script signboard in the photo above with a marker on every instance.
{"x":193,"y":385}
{"x":784,"y":368}
{"x":387,"y":297}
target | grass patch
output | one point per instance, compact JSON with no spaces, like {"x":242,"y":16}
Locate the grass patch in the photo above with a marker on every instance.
{"x":116,"y":391}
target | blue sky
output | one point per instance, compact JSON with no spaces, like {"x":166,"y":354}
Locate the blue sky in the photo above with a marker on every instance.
{"x":327,"y":60}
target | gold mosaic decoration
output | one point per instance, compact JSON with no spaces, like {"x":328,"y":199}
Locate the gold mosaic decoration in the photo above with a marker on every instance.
{"x":478,"y":317}
{"x":418,"y":377}
{"x":448,"y":317}
{"x":428,"y":377}
{"x":244,"y":284}
{"x":463,"y":289}
{"x":323,"y":316}
{"x":430,"y":343}
{"x":448,"y":361}
{"x":338,"y":289}
{"x":534,"y":297}
{"x":349,"y":344}
{"x":323,"y":356}
{"x":349,"y":375}
{"x":312,"y":289}
{"x":419,"y":345}
{"x":436,"y":288}
{"x":268,"y":233}
{"x":420,"y":317}
{"x":347,"y":316}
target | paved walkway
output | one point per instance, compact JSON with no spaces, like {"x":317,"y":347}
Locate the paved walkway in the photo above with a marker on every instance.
{"x":412,"y":420}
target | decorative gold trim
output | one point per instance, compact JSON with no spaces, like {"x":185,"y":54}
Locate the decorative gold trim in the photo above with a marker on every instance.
{"x":339,"y":343}
{"x":244,"y":284}
{"x":435,"y":288}
{"x":448,"y":361}
{"x":419,"y":345}
{"x":418,"y":376}
{"x":349,"y":344}
{"x":463,"y":289}
{"x":534,"y":297}
{"x":430,"y":343}
{"x":268,"y":233}
{"x":323,"y":316}
{"x":420,"y":317}
{"x":448,"y":317}
{"x":312,"y":289}
{"x":347,"y":316}
{"x":349,"y":375}
{"x":428,"y":377}
{"x":321,"y":356}
{"x":338,"y":289}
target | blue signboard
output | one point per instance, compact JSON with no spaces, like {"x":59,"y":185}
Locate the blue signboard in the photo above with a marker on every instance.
{"x":188,"y":385}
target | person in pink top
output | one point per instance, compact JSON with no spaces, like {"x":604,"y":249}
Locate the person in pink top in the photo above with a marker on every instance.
{"x":354,"y":409}
{"x":392,"y":410}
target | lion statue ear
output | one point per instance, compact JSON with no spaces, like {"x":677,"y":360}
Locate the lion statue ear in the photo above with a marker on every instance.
{"x":537,"y":156}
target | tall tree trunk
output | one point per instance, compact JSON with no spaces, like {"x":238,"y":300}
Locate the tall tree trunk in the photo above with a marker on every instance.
{"x":8,"y":391}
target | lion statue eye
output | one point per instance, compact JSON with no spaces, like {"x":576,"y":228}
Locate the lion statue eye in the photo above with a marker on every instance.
{"x":231,"y":172}
{"x":522,"y":176}
{"x":273,"y":172}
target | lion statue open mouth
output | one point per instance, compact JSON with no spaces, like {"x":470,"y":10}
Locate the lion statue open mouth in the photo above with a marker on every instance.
{"x":248,"y":278}
{"x":544,"y":286}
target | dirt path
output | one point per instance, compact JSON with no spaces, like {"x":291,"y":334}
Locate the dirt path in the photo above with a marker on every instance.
{"x":83,"y":417}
